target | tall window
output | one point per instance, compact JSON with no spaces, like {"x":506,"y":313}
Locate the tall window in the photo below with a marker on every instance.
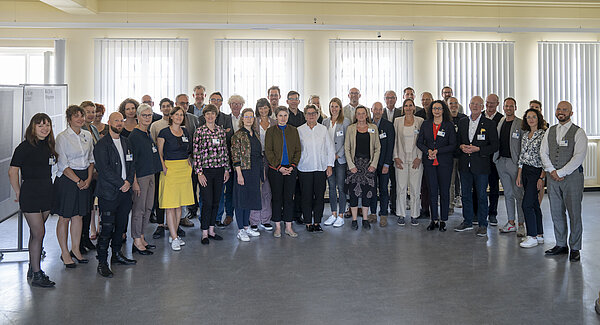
{"x":23,"y":65}
{"x":476,"y":69}
{"x":571,"y":71}
{"x":371,"y":66}
{"x":249,"y":67}
{"x":136,"y":67}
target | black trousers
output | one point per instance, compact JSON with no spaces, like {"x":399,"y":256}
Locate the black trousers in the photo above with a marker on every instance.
{"x":113,"y":220}
{"x":312,"y":185}
{"x":87,"y":218}
{"x":425,"y":200}
{"x":282,"y":191}
{"x":211,"y":195}
{"x":298,"y":211}
{"x":494,"y":193}
{"x":439,"y":184}
{"x":160,"y":213}
{"x":531,"y":203}
{"x":193,"y":209}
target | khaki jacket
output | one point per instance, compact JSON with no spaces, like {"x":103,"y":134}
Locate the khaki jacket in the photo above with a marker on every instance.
{"x":350,"y":145}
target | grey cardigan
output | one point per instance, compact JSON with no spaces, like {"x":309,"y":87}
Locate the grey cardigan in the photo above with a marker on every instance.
{"x":516,"y":134}
{"x":339,"y":137}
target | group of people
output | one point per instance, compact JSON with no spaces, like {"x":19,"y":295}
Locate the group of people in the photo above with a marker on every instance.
{"x":273,"y":163}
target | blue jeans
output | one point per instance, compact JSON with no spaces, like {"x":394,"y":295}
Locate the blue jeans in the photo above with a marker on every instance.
{"x":381,"y":183}
{"x":337,"y":179}
{"x":226,"y":201}
{"x":474,"y":182}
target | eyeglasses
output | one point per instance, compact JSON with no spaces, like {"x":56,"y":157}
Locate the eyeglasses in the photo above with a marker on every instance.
{"x":354,"y":93}
{"x":146,"y":115}
{"x":393,"y":97}
{"x":216,"y":100}
{"x":183,"y":103}
{"x":311,"y":113}
{"x":248,"y":117}
{"x":531,"y":117}
{"x":437,"y":108}
{"x":293,"y":98}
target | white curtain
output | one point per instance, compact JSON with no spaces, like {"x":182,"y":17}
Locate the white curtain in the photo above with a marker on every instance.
{"x":372,"y":66}
{"x":250,"y":67}
{"x":476,"y":69}
{"x":571,"y":71}
{"x":136,"y":67}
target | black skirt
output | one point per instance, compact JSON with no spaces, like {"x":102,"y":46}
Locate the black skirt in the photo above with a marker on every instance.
{"x":69,"y":200}
{"x":36,"y":195}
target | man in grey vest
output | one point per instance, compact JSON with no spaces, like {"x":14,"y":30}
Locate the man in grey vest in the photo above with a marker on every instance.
{"x":563,"y":151}
{"x":507,"y":163}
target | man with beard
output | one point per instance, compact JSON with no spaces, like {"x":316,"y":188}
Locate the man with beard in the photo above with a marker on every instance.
{"x":114,"y":163}
{"x":563,"y":150}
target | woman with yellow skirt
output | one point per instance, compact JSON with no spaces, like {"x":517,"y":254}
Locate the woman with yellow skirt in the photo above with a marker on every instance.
{"x":175,"y":188}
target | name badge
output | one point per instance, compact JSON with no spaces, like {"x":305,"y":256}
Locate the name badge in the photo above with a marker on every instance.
{"x":129,"y":157}
{"x":339,"y":133}
{"x":371,"y":130}
{"x":515,"y":135}
{"x":184,"y":139}
{"x":456,"y":128}
{"x":481,"y":137}
{"x":51,"y":161}
{"x":441,"y":134}
{"x":563,"y":143}
{"x":154,"y":150}
{"x":216,"y":141}
{"x":382,"y":135}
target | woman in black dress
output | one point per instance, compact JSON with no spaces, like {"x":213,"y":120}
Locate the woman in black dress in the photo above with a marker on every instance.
{"x":34,"y":159}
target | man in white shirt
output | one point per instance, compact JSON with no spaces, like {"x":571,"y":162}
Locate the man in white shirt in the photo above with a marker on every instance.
{"x":236,"y":102}
{"x":316,"y":164}
{"x":391,"y":111}
{"x":563,"y":151}
{"x":354,"y":95}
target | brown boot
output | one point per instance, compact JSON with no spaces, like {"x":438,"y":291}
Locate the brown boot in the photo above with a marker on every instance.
{"x":372,"y":218}
{"x":228,"y":220}
{"x":382,"y":221}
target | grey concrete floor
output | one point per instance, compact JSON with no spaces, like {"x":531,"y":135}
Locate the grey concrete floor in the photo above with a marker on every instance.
{"x":393,"y":275}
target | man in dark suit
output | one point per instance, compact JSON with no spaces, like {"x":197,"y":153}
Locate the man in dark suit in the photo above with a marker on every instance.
{"x":386,"y":139}
{"x":114,"y":163}
{"x":426,"y":100}
{"x":477,"y":140}
{"x":390,"y":113}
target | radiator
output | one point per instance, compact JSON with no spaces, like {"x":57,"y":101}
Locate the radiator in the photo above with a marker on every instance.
{"x":590,"y":166}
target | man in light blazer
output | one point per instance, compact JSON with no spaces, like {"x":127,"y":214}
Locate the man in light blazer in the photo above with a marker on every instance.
{"x":507,"y":164}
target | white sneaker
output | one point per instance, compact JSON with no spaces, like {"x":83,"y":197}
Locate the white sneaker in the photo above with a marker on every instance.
{"x":252,"y":233}
{"x":181,"y":242}
{"x":508,"y":228}
{"x":175,"y":244}
{"x":242,"y":235}
{"x":330,"y":220}
{"x":540,"y":239}
{"x":339,"y":221}
{"x":529,"y":242}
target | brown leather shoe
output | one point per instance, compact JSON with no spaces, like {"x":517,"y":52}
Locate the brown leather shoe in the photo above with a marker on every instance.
{"x":372,"y":218}
{"x":382,"y":221}
{"x":228,"y":220}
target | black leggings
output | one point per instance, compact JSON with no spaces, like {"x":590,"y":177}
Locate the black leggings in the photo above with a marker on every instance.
{"x":531,"y":203}
{"x":211,"y":195}
{"x":37,"y":231}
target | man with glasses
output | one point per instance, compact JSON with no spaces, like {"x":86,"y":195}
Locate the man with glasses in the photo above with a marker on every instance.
{"x":147,"y":99}
{"x":354,"y":95}
{"x":296,"y":117}
{"x":491,"y":112}
{"x":447,"y":93}
{"x":477,"y":140}
{"x":274,"y":94}
{"x":198,"y":106}
{"x":236,"y":102}
{"x":391,"y":111}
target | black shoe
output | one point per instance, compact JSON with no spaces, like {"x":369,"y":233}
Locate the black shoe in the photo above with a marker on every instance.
{"x":134,"y":249}
{"x":442,"y":226}
{"x":153,"y":218}
{"x":366,"y":225}
{"x":557,"y":250}
{"x":205,"y":241}
{"x":574,"y":256}
{"x":159,"y":232}
{"x":70,"y":265}
{"x":355,"y":224}
{"x":191,"y":214}
{"x":215,"y":237}
{"x":87,"y":243}
{"x":80,"y":261}
{"x":180,"y":232}
{"x":299,"y":221}
{"x":150,"y":246}
{"x":433,"y":225}
{"x":220,"y":225}
{"x":119,"y":258}
{"x":493,"y":221}
{"x":104,"y":270}
{"x":348,"y":214}
{"x":124,"y":240}
{"x":424,"y":215}
{"x":82,"y":249}
{"x":29,"y":272}
{"x":318,"y":228}
{"x":310,"y":228}
{"x":40,"y":279}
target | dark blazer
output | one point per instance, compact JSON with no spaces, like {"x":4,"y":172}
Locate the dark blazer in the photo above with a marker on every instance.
{"x":397,"y":113}
{"x":446,"y":144}
{"x":478,"y":162}
{"x":387,"y":137}
{"x":108,"y":165}
{"x":422,"y":113}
